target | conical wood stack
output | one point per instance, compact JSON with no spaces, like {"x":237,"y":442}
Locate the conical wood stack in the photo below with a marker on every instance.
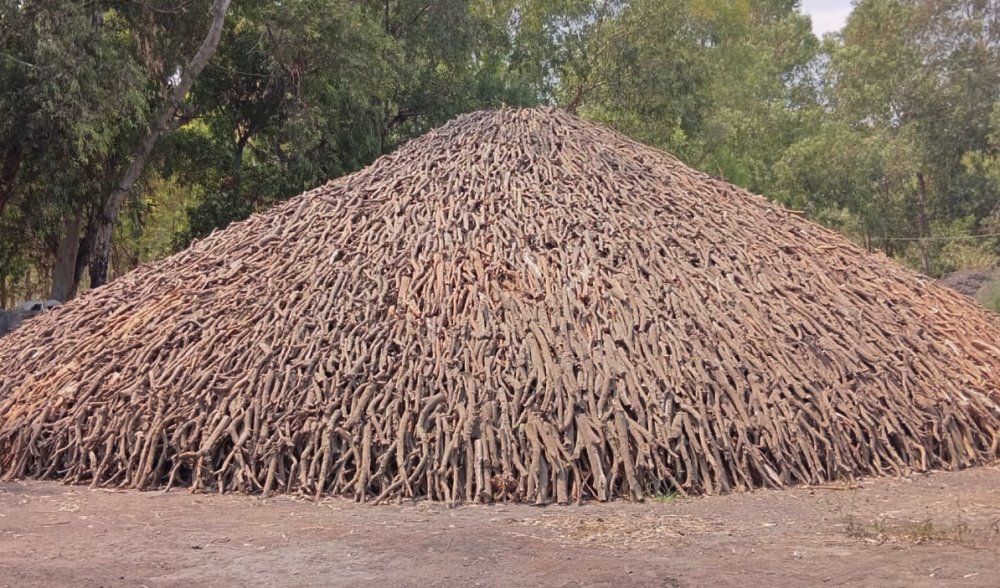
{"x":518,"y":306}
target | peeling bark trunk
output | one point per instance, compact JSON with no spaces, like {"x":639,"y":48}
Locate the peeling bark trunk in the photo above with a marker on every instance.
{"x":108,"y":214}
{"x":922,"y":219}
{"x":83,"y":257}
{"x":64,"y":270}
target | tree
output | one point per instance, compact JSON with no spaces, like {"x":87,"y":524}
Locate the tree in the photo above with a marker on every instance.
{"x":908,"y":87}
{"x":160,"y":126}
{"x":169,"y":118}
{"x":310,"y":90}
{"x":71,"y":94}
{"x":720,"y":84}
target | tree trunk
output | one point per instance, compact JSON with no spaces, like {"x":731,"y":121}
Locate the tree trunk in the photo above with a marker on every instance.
{"x":8,"y":174}
{"x":83,"y":257}
{"x":922,"y":220}
{"x":64,"y":271}
{"x":108,"y":214}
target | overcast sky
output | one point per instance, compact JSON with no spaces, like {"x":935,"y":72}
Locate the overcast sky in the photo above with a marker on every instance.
{"x":827,"y":15}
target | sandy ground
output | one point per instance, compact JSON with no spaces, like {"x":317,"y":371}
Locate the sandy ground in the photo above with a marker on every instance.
{"x":941,"y":529}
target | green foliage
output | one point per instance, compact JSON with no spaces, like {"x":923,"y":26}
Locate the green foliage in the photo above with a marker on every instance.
{"x":73,"y":96}
{"x":310,"y":90}
{"x":78,"y":84}
{"x":906,"y":89}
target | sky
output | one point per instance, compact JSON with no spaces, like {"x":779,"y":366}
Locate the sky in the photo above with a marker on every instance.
{"x":827,"y":15}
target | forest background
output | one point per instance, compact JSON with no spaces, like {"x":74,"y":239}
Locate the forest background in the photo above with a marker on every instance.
{"x":129,"y":128}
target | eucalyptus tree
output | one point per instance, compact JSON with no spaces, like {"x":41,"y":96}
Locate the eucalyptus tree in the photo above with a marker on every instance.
{"x":908,"y":90}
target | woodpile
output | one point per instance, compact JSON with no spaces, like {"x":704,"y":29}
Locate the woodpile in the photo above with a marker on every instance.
{"x":518,"y":306}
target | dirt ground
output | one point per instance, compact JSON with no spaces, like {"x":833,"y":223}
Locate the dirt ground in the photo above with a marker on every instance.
{"x":941,"y":529}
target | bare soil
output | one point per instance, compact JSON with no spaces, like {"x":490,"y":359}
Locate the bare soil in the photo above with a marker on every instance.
{"x":940,"y":529}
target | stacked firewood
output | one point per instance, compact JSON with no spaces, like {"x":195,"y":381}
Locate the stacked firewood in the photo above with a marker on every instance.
{"x":520,"y":306}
